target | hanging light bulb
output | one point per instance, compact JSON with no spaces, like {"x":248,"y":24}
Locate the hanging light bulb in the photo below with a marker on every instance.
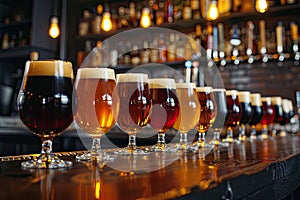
{"x":145,"y":18}
{"x":261,"y":6}
{"x":54,"y":30}
{"x":106,"y":23}
{"x":213,"y":12}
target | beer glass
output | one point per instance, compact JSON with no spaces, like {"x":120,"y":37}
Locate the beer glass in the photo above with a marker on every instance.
{"x":134,"y":107}
{"x":221,"y":114}
{"x":207,"y":114}
{"x":277,"y":103}
{"x":94,"y":107}
{"x":234,"y":113}
{"x":268,"y":116}
{"x":45,"y":106}
{"x":189,"y":112}
{"x":247,"y":112}
{"x":257,"y":108}
{"x":165,"y":109}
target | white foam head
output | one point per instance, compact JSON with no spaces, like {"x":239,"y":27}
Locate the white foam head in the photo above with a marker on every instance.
{"x":132,"y":77}
{"x":256,"y":99}
{"x":268,"y":100}
{"x":204,"y":89}
{"x":50,"y":68}
{"x":96,"y":73}
{"x":162,"y":83}
{"x":185,"y":85}
{"x":232,"y":93}
{"x":244,"y":96}
{"x":276,"y":100}
{"x":219,"y":90}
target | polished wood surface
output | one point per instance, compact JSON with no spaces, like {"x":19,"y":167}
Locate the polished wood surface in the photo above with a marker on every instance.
{"x":251,"y":170}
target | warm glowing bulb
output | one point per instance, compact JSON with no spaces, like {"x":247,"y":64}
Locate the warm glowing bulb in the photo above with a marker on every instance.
{"x":213,"y":12}
{"x":145,"y":18}
{"x":106,"y":23}
{"x":261,"y":6}
{"x":54,"y":30}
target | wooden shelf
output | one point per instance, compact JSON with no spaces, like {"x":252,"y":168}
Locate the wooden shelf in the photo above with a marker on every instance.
{"x":16,"y":24}
{"x":22,"y":52}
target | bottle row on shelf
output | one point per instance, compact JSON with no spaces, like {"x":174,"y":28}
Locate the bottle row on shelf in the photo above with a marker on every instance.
{"x":130,"y":15}
{"x":12,"y":39}
{"x":240,"y":44}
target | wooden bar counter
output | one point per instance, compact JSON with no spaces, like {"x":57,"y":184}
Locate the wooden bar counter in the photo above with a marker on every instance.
{"x":268,"y":169}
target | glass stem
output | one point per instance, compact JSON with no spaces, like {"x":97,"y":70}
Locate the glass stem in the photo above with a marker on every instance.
{"x":264,"y":131}
{"x":201,"y":138}
{"x":161,"y":139}
{"x":96,"y":147}
{"x":230,"y":135}
{"x":47,"y":153}
{"x":253,"y":132}
{"x":183,"y":139}
{"x":216,"y":139}
{"x":132,"y":143}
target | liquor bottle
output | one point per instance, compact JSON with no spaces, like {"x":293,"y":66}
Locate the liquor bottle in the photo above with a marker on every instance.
{"x":123,"y":22}
{"x":236,"y":5}
{"x":5,"y":41}
{"x":145,"y":53}
{"x":135,"y":58}
{"x":187,"y":11}
{"x":154,"y":51}
{"x":160,"y":13}
{"x":224,"y":6}
{"x":162,"y":49}
{"x":195,"y":5}
{"x":179,"y":48}
{"x":169,"y":11}
{"x":204,"y":5}
{"x":171,"y":48}
{"x":85,"y":23}
{"x":96,"y":24}
{"x":178,"y":10}
{"x":133,"y":15}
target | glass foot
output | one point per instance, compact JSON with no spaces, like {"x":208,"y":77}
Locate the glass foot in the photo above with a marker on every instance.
{"x":44,"y":163}
{"x":99,"y":156}
{"x":161,"y":148}
{"x":127,"y":151}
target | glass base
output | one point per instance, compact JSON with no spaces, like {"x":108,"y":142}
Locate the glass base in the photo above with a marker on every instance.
{"x":200,"y":145}
{"x":99,"y":156}
{"x":39,"y":163}
{"x":161,"y":148}
{"x":127,"y":151}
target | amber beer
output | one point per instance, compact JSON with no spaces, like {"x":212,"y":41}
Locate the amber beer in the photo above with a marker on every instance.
{"x":45,"y":102}
{"x":268,"y":115}
{"x":165,"y":104}
{"x":208,"y":108}
{"x":189,"y":107}
{"x":94,"y":106}
{"x":135,"y":101}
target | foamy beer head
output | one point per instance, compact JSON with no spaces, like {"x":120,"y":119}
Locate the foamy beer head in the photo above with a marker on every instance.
{"x":56,"y":68}
{"x":132,"y":77}
{"x":285,"y":105}
{"x":96,"y":73}
{"x":204,"y":89}
{"x":185,"y":85}
{"x":244,"y":96}
{"x":267,"y":100}
{"x":276,"y":101}
{"x":161,"y":83}
{"x":232,"y":93}
{"x":256,"y":99}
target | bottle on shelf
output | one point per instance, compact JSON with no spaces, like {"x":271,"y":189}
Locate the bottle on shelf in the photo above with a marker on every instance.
{"x":263,"y":43}
{"x":96,"y":23}
{"x":123,"y":21}
{"x":162,"y":49}
{"x":169,"y":13}
{"x":280,"y":42}
{"x":135,"y":58}
{"x":171,"y":48}
{"x":195,"y":5}
{"x":145,"y":53}
{"x":134,"y":21}
{"x":187,"y":11}
{"x":250,"y":41}
{"x":154,"y":51}
{"x":224,"y":7}
{"x":5,"y":41}
{"x":295,"y":41}
{"x":85,"y":23}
